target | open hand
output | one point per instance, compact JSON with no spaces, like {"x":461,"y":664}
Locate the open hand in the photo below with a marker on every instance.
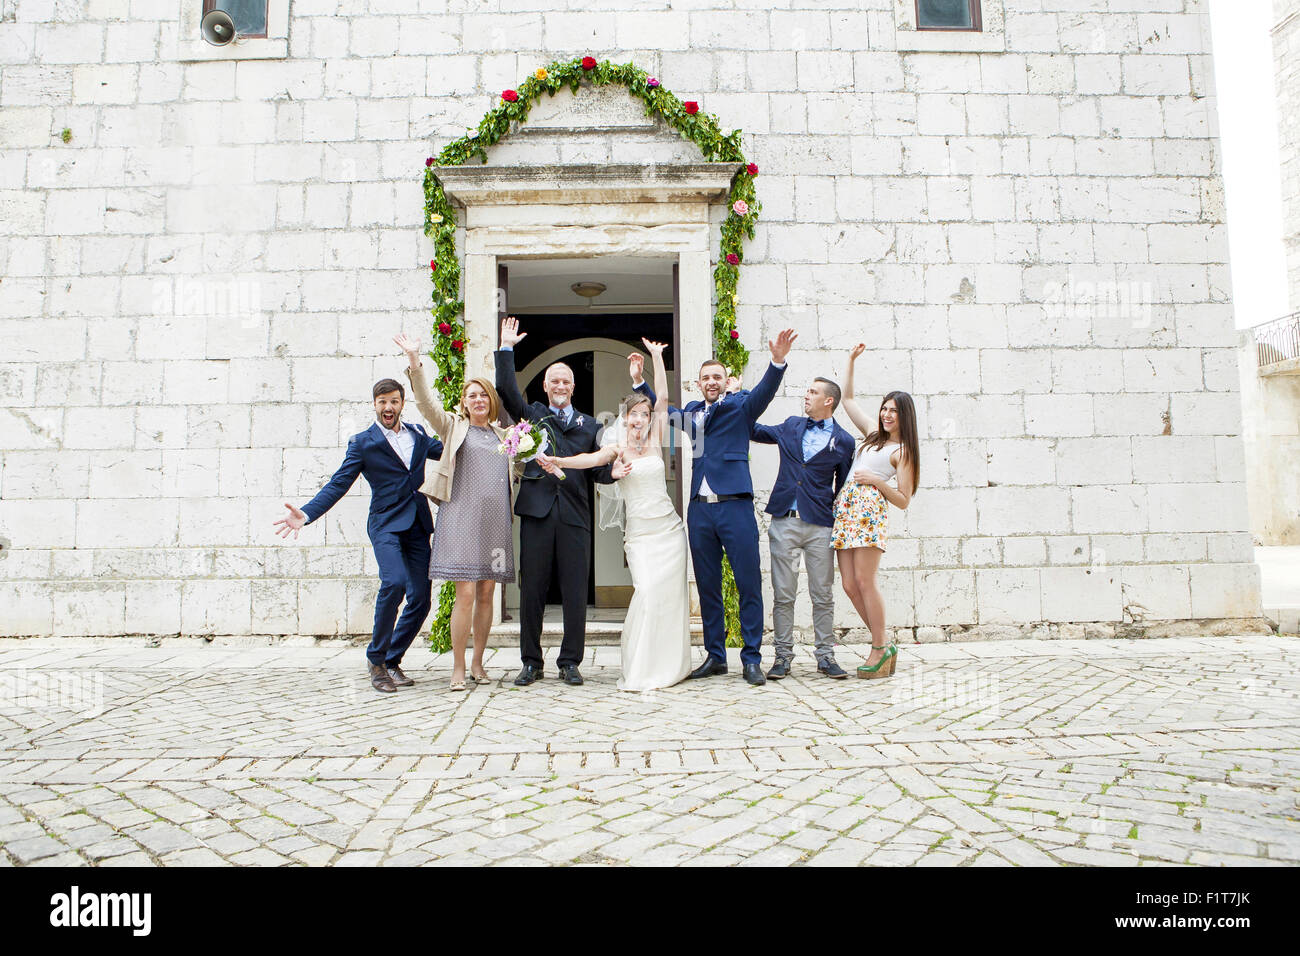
{"x":733,"y":383}
{"x":621,"y":468}
{"x":780,"y":346}
{"x":292,"y":524}
{"x":407,"y":344}
{"x":655,"y":348}
{"x":510,"y":334}
{"x":636,"y":366}
{"x":856,"y":351}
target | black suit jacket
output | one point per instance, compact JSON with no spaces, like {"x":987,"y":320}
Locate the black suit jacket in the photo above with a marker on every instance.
{"x":539,"y":491}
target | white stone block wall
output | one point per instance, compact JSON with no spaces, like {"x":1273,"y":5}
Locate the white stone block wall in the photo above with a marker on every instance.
{"x":200,"y":287}
{"x":1286,"y":55}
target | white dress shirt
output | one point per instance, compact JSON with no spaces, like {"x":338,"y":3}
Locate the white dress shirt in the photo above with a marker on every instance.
{"x":402,"y":439}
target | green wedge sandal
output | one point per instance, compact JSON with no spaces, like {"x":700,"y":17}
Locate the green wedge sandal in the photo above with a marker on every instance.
{"x":883,"y":667}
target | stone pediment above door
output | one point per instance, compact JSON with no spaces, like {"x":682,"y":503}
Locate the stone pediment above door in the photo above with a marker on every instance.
{"x":596,"y":125}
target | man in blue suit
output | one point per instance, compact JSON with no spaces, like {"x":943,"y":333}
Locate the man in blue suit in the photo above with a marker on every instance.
{"x":720,"y":516}
{"x":816,"y":459}
{"x":390,"y":455}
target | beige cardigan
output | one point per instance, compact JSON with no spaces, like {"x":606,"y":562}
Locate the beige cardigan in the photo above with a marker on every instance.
{"x":451,"y":429}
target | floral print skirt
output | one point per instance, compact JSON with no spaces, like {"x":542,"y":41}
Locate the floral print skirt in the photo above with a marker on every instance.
{"x":861,"y":518}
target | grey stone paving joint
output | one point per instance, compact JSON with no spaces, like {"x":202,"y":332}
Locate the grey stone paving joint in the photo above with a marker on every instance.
{"x":1118,"y":753}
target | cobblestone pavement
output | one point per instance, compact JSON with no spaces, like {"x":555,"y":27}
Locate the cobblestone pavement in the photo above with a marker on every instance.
{"x":1063,"y":752}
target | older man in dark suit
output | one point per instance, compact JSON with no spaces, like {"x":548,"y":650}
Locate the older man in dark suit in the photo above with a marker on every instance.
{"x":554,"y":518}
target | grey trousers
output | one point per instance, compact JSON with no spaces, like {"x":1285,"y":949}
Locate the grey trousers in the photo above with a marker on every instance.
{"x":785,"y":536}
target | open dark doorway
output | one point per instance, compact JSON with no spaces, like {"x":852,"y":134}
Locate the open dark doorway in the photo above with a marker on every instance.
{"x":547,"y":336}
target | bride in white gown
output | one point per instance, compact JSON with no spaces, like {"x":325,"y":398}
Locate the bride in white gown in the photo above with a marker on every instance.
{"x":656,"y":640}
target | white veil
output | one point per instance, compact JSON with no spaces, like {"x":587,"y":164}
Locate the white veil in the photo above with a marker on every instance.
{"x":611,"y":510}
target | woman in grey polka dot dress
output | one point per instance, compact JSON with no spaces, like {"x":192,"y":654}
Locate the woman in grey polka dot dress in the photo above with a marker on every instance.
{"x":473,"y":486}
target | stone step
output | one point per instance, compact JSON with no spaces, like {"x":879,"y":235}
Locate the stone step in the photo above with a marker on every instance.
{"x":599,"y":633}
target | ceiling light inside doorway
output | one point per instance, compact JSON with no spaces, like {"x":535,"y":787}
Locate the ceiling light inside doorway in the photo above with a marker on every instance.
{"x":588,"y":290}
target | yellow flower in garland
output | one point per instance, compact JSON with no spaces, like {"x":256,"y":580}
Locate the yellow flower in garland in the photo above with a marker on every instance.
{"x":435,"y":217}
{"x":541,"y":73}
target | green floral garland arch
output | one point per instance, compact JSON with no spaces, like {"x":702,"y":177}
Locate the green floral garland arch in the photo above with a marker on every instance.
{"x":703,"y":129}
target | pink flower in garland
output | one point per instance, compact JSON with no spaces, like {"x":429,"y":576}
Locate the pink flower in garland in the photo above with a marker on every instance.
{"x":652,"y":82}
{"x":733,"y":259}
{"x":588,"y":62}
{"x":429,"y":161}
{"x":691,"y":107}
{"x":740,"y":207}
{"x":752,"y":169}
{"x":444,"y":328}
{"x":735,"y":334}
{"x":510,"y":96}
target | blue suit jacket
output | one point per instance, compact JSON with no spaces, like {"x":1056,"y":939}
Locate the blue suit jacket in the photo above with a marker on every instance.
{"x":395,"y":500}
{"x":720,"y":444}
{"x":808,"y":486}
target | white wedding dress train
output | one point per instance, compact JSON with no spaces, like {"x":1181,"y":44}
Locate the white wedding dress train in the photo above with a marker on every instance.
{"x":656,"y":640}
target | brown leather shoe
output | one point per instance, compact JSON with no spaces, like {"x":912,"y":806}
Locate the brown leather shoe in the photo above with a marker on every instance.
{"x":380,"y":680}
{"x":399,"y":679}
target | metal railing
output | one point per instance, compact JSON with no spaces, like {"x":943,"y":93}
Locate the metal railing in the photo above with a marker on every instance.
{"x":1278,"y":341}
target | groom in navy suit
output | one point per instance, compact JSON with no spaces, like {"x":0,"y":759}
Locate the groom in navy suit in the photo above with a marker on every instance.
{"x":390,"y":455}
{"x":720,"y":516}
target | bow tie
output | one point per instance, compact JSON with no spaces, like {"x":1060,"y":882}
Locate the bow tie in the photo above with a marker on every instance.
{"x":811,"y":423}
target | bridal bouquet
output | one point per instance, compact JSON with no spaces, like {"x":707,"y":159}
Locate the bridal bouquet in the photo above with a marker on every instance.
{"x":524,"y":442}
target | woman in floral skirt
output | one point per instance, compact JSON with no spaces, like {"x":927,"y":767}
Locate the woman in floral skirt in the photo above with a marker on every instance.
{"x":889,"y":451}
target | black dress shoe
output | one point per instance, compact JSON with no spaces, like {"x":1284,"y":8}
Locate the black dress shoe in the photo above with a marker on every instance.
{"x":831,"y":669}
{"x":569,"y":674}
{"x":780,"y":669}
{"x":380,"y":680}
{"x":754,"y":674}
{"x":527,"y":674}
{"x":708,"y":669}
{"x":399,"y":679}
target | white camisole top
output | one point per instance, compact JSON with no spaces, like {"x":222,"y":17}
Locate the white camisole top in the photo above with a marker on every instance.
{"x":877,"y":459}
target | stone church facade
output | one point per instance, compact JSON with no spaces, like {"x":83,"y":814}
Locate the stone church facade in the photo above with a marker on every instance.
{"x":206,"y":251}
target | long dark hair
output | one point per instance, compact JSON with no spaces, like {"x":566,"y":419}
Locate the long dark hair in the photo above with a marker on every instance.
{"x":906,"y":433}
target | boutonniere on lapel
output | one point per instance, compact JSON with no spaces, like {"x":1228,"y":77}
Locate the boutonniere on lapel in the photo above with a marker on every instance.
{"x":578,"y":421}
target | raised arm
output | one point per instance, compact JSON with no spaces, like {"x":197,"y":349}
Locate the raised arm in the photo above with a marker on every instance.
{"x":506,"y":382}
{"x":851,"y":408}
{"x":756,"y":402}
{"x":659,"y":419}
{"x":439,"y":419}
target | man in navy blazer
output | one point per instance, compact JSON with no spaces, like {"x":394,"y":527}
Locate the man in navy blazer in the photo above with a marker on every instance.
{"x":816,"y":460}
{"x":720,"y":516}
{"x":390,"y":455}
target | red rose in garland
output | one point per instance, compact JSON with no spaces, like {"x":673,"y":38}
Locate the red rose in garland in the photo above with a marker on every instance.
{"x":733,"y":259}
{"x":692,"y":107}
{"x":457,"y":345}
{"x":433,"y":264}
{"x":735,"y":334}
{"x":444,"y":328}
{"x":510,"y":96}
{"x":588,"y":62}
{"x":429,"y":161}
{"x":752,"y":169}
